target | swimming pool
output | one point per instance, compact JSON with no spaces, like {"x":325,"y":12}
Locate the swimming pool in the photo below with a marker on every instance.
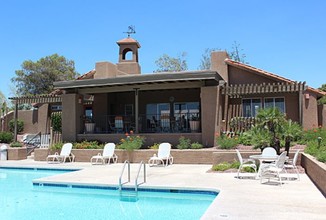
{"x":20,"y":199}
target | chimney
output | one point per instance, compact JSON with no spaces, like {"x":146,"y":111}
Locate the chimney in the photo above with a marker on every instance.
{"x":218,"y":64}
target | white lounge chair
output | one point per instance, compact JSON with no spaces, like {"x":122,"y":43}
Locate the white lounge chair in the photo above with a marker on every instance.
{"x":273,"y":170}
{"x":63,"y":156}
{"x":108,"y":154}
{"x":163,"y":154}
{"x":292,"y":164}
{"x":245,"y":163}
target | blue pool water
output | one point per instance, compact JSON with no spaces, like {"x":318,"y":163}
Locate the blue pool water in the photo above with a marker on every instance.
{"x":19,"y":199}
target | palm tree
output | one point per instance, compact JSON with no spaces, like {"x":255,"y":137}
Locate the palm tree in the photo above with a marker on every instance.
{"x":271,"y":119}
{"x":290,"y":131}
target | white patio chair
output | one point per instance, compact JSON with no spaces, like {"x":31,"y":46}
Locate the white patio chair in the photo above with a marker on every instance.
{"x":108,"y":154}
{"x":245,"y":163}
{"x":292,"y":164}
{"x":163,"y":154}
{"x":273,"y":170}
{"x":63,"y":156}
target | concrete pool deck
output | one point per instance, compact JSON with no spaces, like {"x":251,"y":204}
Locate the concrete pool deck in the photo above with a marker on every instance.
{"x":238,"y":198}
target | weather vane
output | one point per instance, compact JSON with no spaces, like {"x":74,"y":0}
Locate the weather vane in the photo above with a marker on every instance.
{"x":131,"y":30}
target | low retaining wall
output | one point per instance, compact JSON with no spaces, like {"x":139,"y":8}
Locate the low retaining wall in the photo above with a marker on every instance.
{"x":17,"y":153}
{"x":315,"y":170}
{"x":199,"y":156}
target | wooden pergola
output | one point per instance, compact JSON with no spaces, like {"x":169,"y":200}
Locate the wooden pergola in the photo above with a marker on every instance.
{"x":245,"y":90}
{"x":40,"y":99}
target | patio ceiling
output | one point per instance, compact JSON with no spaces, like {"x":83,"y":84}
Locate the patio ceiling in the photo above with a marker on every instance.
{"x":37,"y":99}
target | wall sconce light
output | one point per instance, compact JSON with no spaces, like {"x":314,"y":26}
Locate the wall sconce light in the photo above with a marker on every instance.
{"x":307,"y":96}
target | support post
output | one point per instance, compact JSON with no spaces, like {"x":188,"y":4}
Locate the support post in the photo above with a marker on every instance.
{"x":136,"y":110}
{"x":15,"y":119}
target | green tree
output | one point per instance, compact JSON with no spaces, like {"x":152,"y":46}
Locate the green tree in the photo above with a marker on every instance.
{"x":205,"y":62}
{"x":323,"y":99}
{"x":290,"y":131}
{"x":272,"y":120}
{"x":38,"y":77}
{"x":323,"y":87}
{"x":171,"y":64}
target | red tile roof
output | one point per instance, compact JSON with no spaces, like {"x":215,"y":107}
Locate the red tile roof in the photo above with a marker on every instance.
{"x":268,"y":74}
{"x":88,"y":75}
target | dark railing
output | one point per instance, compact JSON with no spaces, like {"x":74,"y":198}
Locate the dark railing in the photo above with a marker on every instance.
{"x":147,"y":123}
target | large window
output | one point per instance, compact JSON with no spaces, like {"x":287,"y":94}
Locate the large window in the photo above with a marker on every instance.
{"x":251,"y":107}
{"x":186,"y":109}
{"x":154,"y":111}
{"x":275,"y":103}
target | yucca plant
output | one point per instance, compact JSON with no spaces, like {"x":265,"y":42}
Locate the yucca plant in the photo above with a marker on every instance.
{"x":290,"y":132}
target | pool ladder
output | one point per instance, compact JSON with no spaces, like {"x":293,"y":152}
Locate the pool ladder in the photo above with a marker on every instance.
{"x":127,"y":193}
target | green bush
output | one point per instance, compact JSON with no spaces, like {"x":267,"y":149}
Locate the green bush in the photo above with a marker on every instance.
{"x":225,"y":142}
{"x":155,"y":146}
{"x":6,"y":137}
{"x":56,"y":146}
{"x":88,"y":145}
{"x":245,"y":138}
{"x":20,"y":125}
{"x":56,"y":121}
{"x":196,"y":145}
{"x":16,"y":144}
{"x":321,"y":156}
{"x":317,"y":151}
{"x":184,"y":143}
{"x":131,"y":142}
{"x":226,"y":166}
{"x":312,"y":135}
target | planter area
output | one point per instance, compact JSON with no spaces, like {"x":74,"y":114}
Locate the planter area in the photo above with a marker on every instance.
{"x":315,"y":170}
{"x":17,"y":153}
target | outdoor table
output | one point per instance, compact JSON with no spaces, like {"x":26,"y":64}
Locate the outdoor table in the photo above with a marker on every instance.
{"x":262,"y":158}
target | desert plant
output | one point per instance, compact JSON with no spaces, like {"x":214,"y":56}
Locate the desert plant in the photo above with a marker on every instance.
{"x":290,"y":132}
{"x":226,"y":166}
{"x":154,"y":146}
{"x":184,"y":143}
{"x":16,"y":144}
{"x":196,"y":145}
{"x":6,"y":137}
{"x":225,"y":142}
{"x":20,"y":125}
{"x":131,"y":142}
{"x":56,"y":146}
{"x":88,"y":145}
{"x":260,"y":137}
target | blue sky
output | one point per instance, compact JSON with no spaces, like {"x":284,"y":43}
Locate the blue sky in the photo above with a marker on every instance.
{"x":285,"y":37}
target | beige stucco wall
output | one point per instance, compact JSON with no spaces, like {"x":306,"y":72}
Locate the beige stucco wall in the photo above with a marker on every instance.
{"x":72,"y":112}
{"x":310,"y":111}
{"x":209,"y":115}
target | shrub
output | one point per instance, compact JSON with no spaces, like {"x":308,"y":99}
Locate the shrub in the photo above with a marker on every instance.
{"x":154,"y":146}
{"x":6,"y":137}
{"x":20,"y":125}
{"x":321,"y":156}
{"x":131,"y":142}
{"x":225,"y":142}
{"x":16,"y":144}
{"x":88,"y":145}
{"x":184,"y":143}
{"x":56,"y":121}
{"x":245,"y":138}
{"x":226,"y":166}
{"x":56,"y":146}
{"x":196,"y":145}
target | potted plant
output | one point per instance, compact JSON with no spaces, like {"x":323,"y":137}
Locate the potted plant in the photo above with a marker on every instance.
{"x":194,"y":122}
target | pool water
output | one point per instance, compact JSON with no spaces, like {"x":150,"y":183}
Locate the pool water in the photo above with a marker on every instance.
{"x":19,"y":199}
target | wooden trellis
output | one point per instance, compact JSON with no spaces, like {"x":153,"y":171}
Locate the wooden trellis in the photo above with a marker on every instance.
{"x":239,"y":90}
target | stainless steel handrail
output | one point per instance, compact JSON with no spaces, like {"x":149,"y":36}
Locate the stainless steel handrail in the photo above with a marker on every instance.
{"x":136,"y":180}
{"x":122,"y":171}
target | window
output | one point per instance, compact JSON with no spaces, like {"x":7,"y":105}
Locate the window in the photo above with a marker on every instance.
{"x":275,"y":103}
{"x":156,"y":110}
{"x":186,"y":109}
{"x":251,"y":107}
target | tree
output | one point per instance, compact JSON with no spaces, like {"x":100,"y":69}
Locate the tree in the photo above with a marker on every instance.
{"x":171,"y":64}
{"x":290,"y":131}
{"x":236,"y":53}
{"x":323,"y":99}
{"x":38,"y":77}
